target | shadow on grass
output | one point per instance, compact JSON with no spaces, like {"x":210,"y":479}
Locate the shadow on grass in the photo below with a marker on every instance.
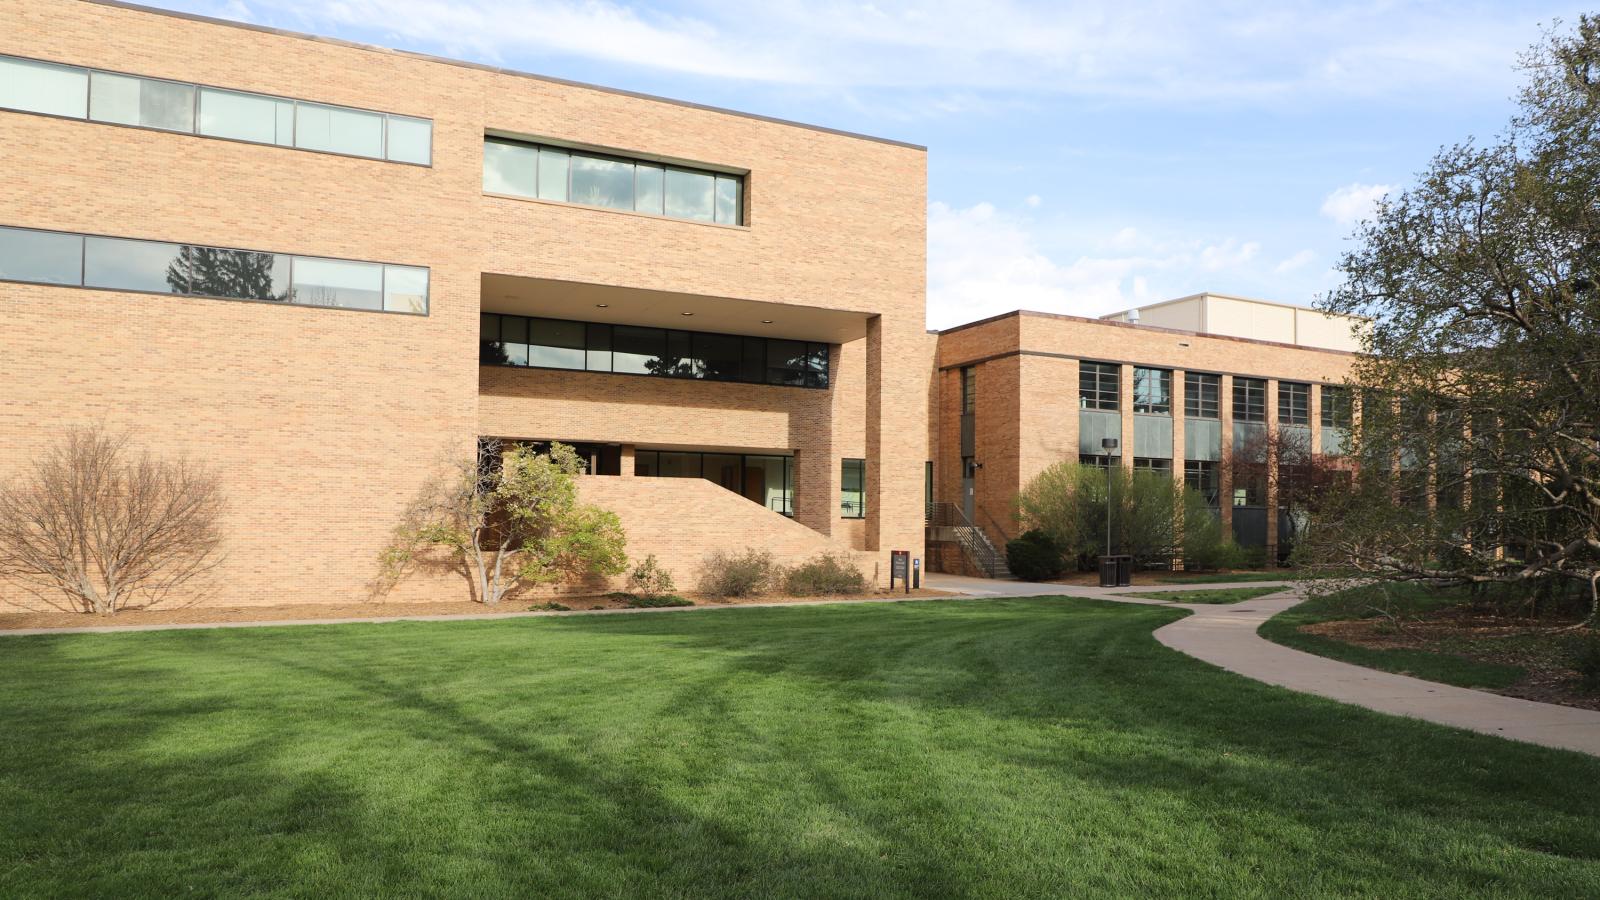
{"x":936,"y":748}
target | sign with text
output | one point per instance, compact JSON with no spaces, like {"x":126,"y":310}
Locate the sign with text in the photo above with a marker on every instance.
{"x":900,"y":567}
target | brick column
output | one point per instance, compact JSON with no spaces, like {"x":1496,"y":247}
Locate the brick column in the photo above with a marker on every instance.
{"x":1225,"y":475}
{"x":1125,"y":402}
{"x":1178,"y":454}
{"x":899,"y":354}
{"x":1316,"y":422}
{"x":626,"y":469}
{"x":1272,"y":471}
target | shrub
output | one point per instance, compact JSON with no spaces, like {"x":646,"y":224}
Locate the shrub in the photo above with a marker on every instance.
{"x":549,"y":606}
{"x":1206,"y":545}
{"x":658,"y":601}
{"x":1586,"y":660}
{"x":1069,"y":502}
{"x":1034,"y":556}
{"x":725,"y":574}
{"x":648,"y":579}
{"x":824,"y":574}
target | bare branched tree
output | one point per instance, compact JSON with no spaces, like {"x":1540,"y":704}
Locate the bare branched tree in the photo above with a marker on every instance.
{"x":94,"y":527}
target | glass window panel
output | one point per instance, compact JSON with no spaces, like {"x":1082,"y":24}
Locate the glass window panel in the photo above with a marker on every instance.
{"x":691,"y":195}
{"x":817,"y":365}
{"x":510,"y":169}
{"x":490,"y":351}
{"x":1249,"y":400}
{"x":646,"y":463}
{"x":1152,"y":391}
{"x":134,"y":265}
{"x":720,"y":356}
{"x":236,"y":274}
{"x":337,"y":130}
{"x":722,"y":469}
{"x":555,"y":343}
{"x":1099,"y":385}
{"x":727,"y":200}
{"x":598,"y":355}
{"x":141,"y":101}
{"x":853,"y":489}
{"x":44,"y":88}
{"x":1294,"y":403}
{"x":602,"y":182}
{"x":1335,"y":407}
{"x":754,"y":367}
{"x":514,"y":339}
{"x":648,"y":188}
{"x":637,"y":350}
{"x":46,"y":257}
{"x":767,"y":482}
{"x":246,"y":117}
{"x":410,"y":140}
{"x":335,"y":282}
{"x":405,"y":289}
{"x":1202,"y":395}
{"x":553,"y":166}
{"x":969,"y":390}
{"x":679,"y":465}
{"x":786,"y":362}
{"x":679,"y":361}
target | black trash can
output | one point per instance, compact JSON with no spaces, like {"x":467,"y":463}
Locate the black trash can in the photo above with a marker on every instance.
{"x":1108,"y":571}
{"x":1124,"y":570}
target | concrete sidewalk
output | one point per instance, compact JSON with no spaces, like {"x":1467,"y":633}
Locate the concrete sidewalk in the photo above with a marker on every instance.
{"x":1225,"y":636}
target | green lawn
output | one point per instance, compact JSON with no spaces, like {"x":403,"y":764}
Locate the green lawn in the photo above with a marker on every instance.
{"x":1353,"y":603}
{"x":1213,"y":595}
{"x":1020,"y":748}
{"x":1227,"y":577}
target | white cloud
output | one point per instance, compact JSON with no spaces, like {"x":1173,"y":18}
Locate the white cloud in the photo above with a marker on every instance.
{"x":1294,"y":262}
{"x":1353,"y":202}
{"x":1165,"y":51}
{"x":983,"y":262}
{"x":1034,"y":201}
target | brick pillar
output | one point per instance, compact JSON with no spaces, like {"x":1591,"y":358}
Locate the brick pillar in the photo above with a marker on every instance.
{"x":1272,"y":471}
{"x":626,"y":463}
{"x":1178,"y":454}
{"x":1125,"y":402}
{"x":1316,"y":421}
{"x":816,"y":474}
{"x":898,"y":355}
{"x":1225,"y":475}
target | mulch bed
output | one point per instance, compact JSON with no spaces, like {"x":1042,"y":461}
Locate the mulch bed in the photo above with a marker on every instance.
{"x":1538,"y":646}
{"x":200,"y":614}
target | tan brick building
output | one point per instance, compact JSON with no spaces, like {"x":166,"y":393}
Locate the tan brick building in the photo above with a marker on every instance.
{"x":318,"y":266}
{"x":1016,"y":393}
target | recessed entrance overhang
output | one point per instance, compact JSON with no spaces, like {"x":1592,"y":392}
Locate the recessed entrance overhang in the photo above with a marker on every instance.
{"x":586,"y":302}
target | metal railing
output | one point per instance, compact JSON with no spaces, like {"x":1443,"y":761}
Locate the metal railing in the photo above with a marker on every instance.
{"x":975,"y":544}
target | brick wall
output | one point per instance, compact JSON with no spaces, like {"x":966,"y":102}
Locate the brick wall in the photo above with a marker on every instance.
{"x":323,"y":422}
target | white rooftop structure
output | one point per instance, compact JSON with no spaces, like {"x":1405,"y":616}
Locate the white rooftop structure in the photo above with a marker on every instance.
{"x":1245,"y":317}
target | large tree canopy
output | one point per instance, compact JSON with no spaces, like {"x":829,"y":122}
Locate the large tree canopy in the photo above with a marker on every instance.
{"x":1480,"y":422}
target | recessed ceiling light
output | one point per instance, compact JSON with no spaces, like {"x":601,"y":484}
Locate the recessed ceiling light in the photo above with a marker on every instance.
{"x":602,"y":305}
{"x":766,"y":321}
{"x":685,"y":314}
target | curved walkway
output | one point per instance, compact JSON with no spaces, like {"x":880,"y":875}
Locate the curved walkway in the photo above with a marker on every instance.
{"x":1225,"y":636}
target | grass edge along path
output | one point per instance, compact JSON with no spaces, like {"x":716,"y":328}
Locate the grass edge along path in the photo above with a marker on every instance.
{"x":1208,"y":595}
{"x":1445,"y":668}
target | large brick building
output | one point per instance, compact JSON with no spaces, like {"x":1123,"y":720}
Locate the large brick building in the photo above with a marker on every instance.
{"x":320,"y":267}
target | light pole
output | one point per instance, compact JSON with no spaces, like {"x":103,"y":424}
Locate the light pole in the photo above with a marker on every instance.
{"x":1108,"y":445}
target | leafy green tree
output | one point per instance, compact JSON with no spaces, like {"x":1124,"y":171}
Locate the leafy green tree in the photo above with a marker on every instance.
{"x":1479,"y":438}
{"x":1067,"y":502}
{"x":510,"y":518}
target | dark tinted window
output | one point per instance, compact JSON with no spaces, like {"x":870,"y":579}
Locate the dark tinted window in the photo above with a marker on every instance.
{"x":134,"y":265}
{"x":637,"y":350}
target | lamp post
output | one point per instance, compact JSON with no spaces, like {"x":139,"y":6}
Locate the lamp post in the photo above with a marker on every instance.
{"x":1108,"y":445}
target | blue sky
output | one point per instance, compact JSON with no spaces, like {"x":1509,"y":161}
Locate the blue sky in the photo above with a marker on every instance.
{"x":1083,"y":156}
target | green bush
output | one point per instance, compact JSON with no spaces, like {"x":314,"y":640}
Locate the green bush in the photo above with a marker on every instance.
{"x":745,"y":574}
{"x":825,"y":574}
{"x":1034,"y":556}
{"x":1586,"y":660}
{"x":1069,"y":502}
{"x":658,"y":601}
{"x":648,"y":579}
{"x":1206,"y":544}
{"x":549,"y":606}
